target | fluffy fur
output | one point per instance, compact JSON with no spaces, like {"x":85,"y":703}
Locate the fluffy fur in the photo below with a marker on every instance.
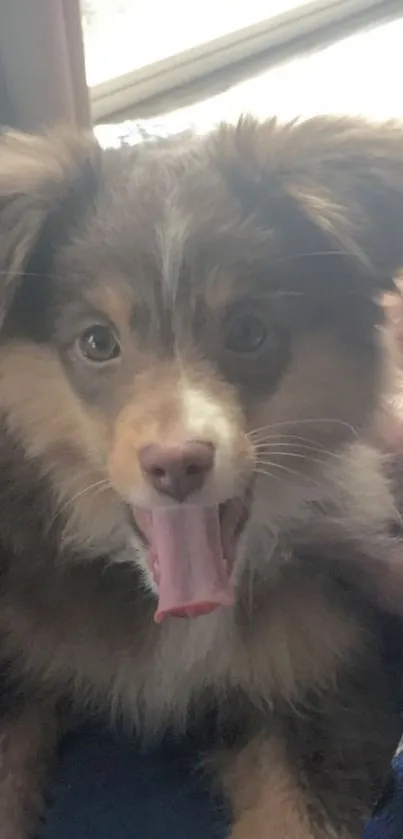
{"x":169,"y":245}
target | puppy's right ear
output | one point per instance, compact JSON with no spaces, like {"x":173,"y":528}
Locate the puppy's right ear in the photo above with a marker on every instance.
{"x":44,"y":181}
{"x":324,"y":183}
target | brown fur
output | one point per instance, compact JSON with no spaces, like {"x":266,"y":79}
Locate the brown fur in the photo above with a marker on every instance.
{"x":268,"y":801}
{"x":300,"y":226}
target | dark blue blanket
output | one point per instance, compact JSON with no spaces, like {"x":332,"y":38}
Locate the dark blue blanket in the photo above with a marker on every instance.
{"x":105,"y":788}
{"x":387,"y":822}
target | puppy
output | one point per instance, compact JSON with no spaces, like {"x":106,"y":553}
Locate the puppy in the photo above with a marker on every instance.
{"x":192,"y":360}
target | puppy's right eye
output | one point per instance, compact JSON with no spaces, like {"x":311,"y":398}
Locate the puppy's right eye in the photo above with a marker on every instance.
{"x":246,"y":334}
{"x":98,"y":344}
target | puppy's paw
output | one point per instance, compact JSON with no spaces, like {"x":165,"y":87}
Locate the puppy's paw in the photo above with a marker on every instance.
{"x":11,"y":830}
{"x":253,"y":826}
{"x":27,"y":742}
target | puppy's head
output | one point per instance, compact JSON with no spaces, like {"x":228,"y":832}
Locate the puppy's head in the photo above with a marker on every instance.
{"x":190,"y":339}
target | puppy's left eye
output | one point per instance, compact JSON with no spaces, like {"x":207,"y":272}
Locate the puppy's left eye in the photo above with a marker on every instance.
{"x":246,"y":334}
{"x":98,"y":344}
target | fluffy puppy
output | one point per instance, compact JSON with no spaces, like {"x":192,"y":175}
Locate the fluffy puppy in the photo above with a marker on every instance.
{"x":192,"y":360}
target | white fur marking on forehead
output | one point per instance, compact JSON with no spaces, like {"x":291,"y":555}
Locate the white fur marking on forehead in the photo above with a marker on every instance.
{"x":171,"y":236}
{"x":203,"y":417}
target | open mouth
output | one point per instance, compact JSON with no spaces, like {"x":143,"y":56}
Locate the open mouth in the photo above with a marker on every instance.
{"x":191,"y":554}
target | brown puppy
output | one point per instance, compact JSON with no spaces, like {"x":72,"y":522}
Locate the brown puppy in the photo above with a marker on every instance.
{"x":192,"y":357}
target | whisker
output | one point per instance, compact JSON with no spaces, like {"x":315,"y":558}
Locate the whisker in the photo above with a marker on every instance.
{"x":286,"y":469}
{"x":284,"y":293}
{"x":285,"y":423}
{"x":98,"y":485}
{"x":266,"y":474}
{"x":305,"y":451}
{"x":280,"y":436}
{"x":308,"y":254}
{"x":283,"y":468}
{"x":293,"y":454}
{"x":263,"y":445}
{"x":43,"y":274}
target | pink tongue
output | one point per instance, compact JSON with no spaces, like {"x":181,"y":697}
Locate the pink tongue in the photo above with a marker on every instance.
{"x":187,"y":560}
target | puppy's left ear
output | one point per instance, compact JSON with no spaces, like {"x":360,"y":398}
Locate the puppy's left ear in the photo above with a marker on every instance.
{"x":344,"y":175}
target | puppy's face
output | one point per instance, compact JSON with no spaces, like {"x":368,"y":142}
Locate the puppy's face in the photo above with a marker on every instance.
{"x":189,"y":342}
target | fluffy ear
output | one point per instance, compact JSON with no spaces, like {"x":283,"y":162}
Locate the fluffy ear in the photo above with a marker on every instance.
{"x":345,"y":175}
{"x":44,"y":181}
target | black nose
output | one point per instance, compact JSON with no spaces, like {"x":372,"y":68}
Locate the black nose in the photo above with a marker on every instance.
{"x":177,"y":470}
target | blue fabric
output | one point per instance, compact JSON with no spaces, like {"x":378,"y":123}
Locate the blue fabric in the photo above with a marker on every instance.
{"x":104,"y":787}
{"x":387,"y":823}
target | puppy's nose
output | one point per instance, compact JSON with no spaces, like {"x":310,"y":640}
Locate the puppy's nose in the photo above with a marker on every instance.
{"x":177,"y":470}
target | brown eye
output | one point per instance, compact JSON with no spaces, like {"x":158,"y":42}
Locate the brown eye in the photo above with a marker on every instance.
{"x":246,"y":334}
{"x":98,"y":344}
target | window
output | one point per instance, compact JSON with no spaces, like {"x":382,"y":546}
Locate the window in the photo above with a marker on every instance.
{"x":358,"y":75}
{"x":124,"y":35}
{"x":148,"y":56}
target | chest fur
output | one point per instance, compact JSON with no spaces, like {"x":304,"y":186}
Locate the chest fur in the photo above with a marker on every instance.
{"x":295,"y":638}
